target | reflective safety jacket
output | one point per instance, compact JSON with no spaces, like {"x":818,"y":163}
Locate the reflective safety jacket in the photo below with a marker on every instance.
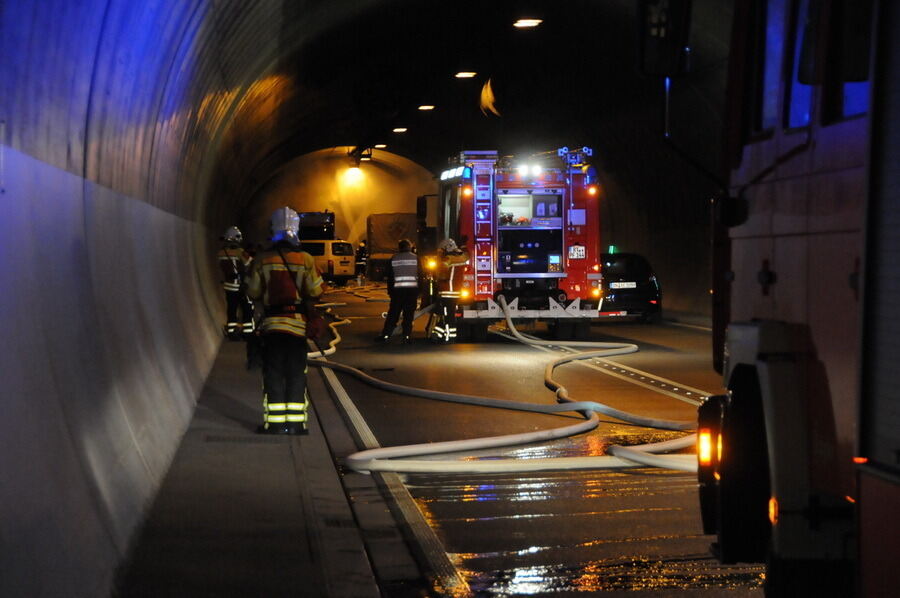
{"x":277,"y":285}
{"x":404,"y":271}
{"x":449,"y":269}
{"x":233,"y":262}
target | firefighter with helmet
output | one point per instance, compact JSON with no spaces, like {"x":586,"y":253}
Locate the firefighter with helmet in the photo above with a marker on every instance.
{"x":234,"y":263}
{"x":285,"y":279}
{"x":442,"y":324}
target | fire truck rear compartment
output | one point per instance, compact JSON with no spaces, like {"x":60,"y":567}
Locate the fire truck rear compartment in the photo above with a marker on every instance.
{"x":530,"y":251}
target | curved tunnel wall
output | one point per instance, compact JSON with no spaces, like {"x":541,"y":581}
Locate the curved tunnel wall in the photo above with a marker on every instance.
{"x":115,"y":119}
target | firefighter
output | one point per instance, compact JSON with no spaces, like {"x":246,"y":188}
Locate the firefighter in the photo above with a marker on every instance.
{"x":403,"y":287}
{"x":285,"y":279}
{"x":442,"y":323}
{"x":234,"y":262}
{"x":362,"y":257}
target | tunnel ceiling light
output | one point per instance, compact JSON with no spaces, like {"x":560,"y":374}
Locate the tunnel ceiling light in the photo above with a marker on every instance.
{"x":366,"y":158}
{"x":527,"y":23}
{"x":400,"y":130}
{"x":380,"y":146}
{"x":426,"y":107}
{"x":465,"y":74}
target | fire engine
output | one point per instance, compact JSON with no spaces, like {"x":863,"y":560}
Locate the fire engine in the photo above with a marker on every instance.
{"x":798,"y":463}
{"x":526,"y":230}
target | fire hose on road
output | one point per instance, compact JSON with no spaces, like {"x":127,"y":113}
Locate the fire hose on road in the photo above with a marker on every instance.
{"x":398,"y":459}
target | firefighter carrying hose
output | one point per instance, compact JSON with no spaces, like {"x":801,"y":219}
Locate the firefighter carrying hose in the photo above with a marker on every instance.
{"x":444,"y":295}
{"x":286,"y":280}
{"x":234,"y":262}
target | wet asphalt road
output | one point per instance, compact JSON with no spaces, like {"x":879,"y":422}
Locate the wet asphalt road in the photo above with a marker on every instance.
{"x":612,"y":532}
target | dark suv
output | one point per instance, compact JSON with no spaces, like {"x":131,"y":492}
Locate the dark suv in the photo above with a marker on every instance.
{"x":629,"y":286}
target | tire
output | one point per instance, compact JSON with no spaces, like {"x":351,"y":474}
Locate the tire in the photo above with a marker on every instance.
{"x":582,"y":330}
{"x":743,"y":527}
{"x":478,"y":332}
{"x":563,"y":329}
{"x":654,"y":317}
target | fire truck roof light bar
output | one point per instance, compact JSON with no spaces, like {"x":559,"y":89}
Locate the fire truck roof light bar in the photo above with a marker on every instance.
{"x":460,"y":171}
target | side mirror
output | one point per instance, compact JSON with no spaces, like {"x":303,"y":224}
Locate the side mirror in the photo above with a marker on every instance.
{"x":664,"y":26}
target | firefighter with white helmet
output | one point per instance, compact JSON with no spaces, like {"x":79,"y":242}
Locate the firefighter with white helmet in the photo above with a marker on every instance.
{"x":444,"y":297}
{"x":285,"y":279}
{"x":234,"y":262}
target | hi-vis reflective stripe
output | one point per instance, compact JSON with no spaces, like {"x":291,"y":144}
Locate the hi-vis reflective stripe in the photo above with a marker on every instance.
{"x":406,"y":281}
{"x":296,"y":406}
{"x":278,"y":406}
{"x":231,"y":286}
{"x":301,"y":417}
{"x":405,"y":262}
{"x":276,"y":419}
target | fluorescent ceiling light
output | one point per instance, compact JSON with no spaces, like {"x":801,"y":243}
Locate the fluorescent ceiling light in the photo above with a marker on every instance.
{"x":400,"y":130}
{"x":465,"y":74}
{"x":380,"y":146}
{"x":426,"y":107}
{"x":527,"y":23}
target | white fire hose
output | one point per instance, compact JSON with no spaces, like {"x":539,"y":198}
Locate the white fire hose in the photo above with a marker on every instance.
{"x":397,"y":459}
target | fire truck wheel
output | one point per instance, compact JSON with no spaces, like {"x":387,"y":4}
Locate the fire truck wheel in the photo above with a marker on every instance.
{"x":478,"y":332}
{"x":582,"y":330}
{"x":562,"y":329}
{"x":743,"y":488}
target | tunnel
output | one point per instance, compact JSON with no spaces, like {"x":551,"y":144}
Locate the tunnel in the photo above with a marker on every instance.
{"x":133,"y":133}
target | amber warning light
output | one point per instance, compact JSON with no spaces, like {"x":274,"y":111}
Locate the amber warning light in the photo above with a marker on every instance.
{"x":592,"y":190}
{"x":704,"y":446}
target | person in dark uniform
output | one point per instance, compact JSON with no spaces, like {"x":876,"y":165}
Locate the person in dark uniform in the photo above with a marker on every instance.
{"x":234,"y":262}
{"x":403,"y":287}
{"x":362,"y":258}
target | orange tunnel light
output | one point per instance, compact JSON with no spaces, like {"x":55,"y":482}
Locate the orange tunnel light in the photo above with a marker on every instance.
{"x":773,"y":511}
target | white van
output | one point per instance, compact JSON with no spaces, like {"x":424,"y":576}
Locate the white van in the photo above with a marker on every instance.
{"x":335,"y":259}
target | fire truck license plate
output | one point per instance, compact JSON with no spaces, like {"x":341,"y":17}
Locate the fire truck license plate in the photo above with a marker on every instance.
{"x":577,"y":252}
{"x":623,"y":285}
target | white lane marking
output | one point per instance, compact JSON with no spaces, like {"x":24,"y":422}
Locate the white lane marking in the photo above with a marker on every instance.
{"x":447,"y":576}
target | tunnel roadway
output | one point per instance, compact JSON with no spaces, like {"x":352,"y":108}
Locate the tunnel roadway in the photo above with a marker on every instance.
{"x":613,"y":532}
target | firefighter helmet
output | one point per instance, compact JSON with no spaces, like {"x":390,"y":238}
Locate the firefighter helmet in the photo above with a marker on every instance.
{"x":233,"y":235}
{"x":286,"y":226}
{"x":448,"y":245}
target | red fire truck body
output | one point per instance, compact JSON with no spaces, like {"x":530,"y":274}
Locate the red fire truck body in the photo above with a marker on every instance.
{"x":532,"y":234}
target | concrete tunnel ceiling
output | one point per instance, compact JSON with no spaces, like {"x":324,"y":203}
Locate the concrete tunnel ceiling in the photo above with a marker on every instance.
{"x":133,"y":132}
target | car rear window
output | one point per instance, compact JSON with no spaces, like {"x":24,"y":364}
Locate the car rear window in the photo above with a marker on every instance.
{"x":342,"y":249}
{"x":623,"y":264}
{"x":313,"y":248}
